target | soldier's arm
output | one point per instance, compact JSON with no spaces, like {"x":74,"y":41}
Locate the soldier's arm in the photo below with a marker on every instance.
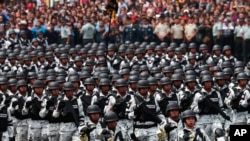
{"x":56,"y":112}
{"x":245,"y":102}
{"x":81,"y":112}
{"x":25,"y":109}
{"x":229,"y":98}
{"x":194,"y":105}
{"x":110,"y":105}
{"x":43,"y":111}
{"x":11,"y":108}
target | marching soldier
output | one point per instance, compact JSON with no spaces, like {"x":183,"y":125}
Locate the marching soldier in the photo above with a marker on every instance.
{"x":12,"y":40}
{"x":38,"y":126}
{"x":173,"y":121}
{"x":23,"y":39}
{"x":208,"y":105}
{"x":166,"y":95}
{"x":91,"y":130}
{"x":238,"y":99}
{"x":191,"y":131}
{"x":17,"y":102}
{"x":146,"y":114}
{"x":87,"y":96}
{"x":49,"y":105}
{"x":186,"y":96}
{"x":70,"y":111}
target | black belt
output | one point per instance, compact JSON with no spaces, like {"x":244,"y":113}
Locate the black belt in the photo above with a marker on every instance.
{"x":145,"y":126}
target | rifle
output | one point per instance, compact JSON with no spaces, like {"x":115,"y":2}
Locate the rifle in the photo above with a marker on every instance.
{"x":216,"y":108}
{"x":145,"y":109}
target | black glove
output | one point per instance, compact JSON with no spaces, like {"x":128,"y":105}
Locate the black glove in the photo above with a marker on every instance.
{"x":28,"y":104}
{"x":49,"y":104}
{"x":14,"y":104}
{"x":87,"y":130}
{"x":106,"y":133}
{"x":61,"y":105}
{"x":169,"y":128}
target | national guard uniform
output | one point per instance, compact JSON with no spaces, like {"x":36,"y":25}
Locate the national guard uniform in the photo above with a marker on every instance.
{"x":146,"y":114}
{"x":78,"y":66}
{"x":146,"y":31}
{"x":2,"y":39}
{"x":23,"y":40}
{"x":216,"y":55}
{"x":169,"y":57}
{"x":63,"y":64}
{"x":238,"y":99}
{"x":179,"y":57}
{"x":150,"y":56}
{"x":173,"y":122}
{"x":226,"y":58}
{"x":130,"y":32}
{"x":12,"y":40}
{"x":177,"y":80}
{"x":38,"y":126}
{"x":51,"y":63}
{"x":5,"y":119}
{"x":49,"y":104}
{"x":139,"y":59}
{"x":113,"y":132}
{"x":204,"y":55}
{"x":70,"y":111}
{"x":120,"y":103}
{"x":17,"y":103}
{"x":186,"y":96}
{"x":208,"y":104}
{"x":193,"y":133}
{"x":113,"y":62}
{"x":101,"y":98}
{"x":27,"y":67}
{"x":166,"y":95}
{"x":93,"y":125}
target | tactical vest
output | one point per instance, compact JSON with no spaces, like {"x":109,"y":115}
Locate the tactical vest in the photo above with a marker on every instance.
{"x":207,"y":110}
{"x":235,"y":103}
{"x":187,"y":100}
{"x":166,"y":100}
{"x":18,"y":113}
{"x":102,"y":100}
{"x":86,"y":101}
{"x":3,"y":119}
{"x":120,"y":106}
{"x":142,"y":115}
{"x":69,"y":117}
{"x":52,"y":107}
{"x":35,"y":109}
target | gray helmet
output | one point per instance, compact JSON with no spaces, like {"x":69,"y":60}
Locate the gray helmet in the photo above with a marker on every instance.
{"x":104,"y":82}
{"x":51,"y":72}
{"x":64,"y":56}
{"x":183,"y":45}
{"x":121,"y":83}
{"x":228,"y":71}
{"x":110,"y":116}
{"x":187,"y":114}
{"x":89,"y":81}
{"x":226,"y":47}
{"x":203,"y":47}
{"x":155,"y":70}
{"x":124,"y":71}
{"x":32,"y":75}
{"x":111,"y":47}
{"x":238,"y":70}
{"x":206,"y":78}
{"x":38,"y":84}
{"x":239,"y":64}
{"x":3,"y":80}
{"x":84,"y":74}
{"x":133,"y":72}
{"x":133,"y":79}
{"x":165,"y":80}
{"x":92,"y":109}
{"x":12,"y":82}
{"x":192,"y":45}
{"x":11,"y":74}
{"x":68,"y":86}
{"x":226,"y":64}
{"x":173,"y":44}
{"x":21,"y":83}
{"x":50,"y":78}
{"x":216,"y":47}
{"x":143,"y":84}
{"x":220,"y":75}
{"x":176,"y":77}
{"x":53,"y":85}
{"x":172,"y":106}
{"x":74,"y":78}
{"x":139,"y":51}
{"x":20,"y":75}
{"x":205,"y":72}
{"x":190,"y":78}
{"x":41,"y":76}
{"x":190,"y":72}
{"x":168,"y":69}
{"x":152,"y":81}
{"x":144,"y":75}
{"x":158,"y":76}
{"x":144,"y":68}
{"x":60,"y":79}
{"x":49,"y":55}
{"x":78,"y":58}
{"x":242,"y":76}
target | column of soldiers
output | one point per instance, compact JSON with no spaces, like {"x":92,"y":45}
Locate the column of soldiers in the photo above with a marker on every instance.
{"x":128,"y":92}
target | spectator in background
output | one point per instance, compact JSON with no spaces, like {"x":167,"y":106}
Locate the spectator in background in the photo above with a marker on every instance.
{"x":38,"y":27}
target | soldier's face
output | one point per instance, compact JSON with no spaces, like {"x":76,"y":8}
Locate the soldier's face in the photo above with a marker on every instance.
{"x":174,"y":113}
{"x":69,"y":93}
{"x":217,"y":52}
{"x":243,"y":82}
{"x":90,"y":87}
{"x":153,"y":87}
{"x":221,"y":82}
{"x":143,"y":91}
{"x":94,"y":117}
{"x":22,"y":89}
{"x":105,"y":88}
{"x":191,"y":84}
{"x":208,"y":85}
{"x":167,"y":87}
{"x":122,"y":90}
{"x":190,"y":122}
{"x":111,"y":125}
{"x":39,"y":90}
{"x":54,"y":92}
{"x":76,"y":84}
{"x":133,"y":86}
